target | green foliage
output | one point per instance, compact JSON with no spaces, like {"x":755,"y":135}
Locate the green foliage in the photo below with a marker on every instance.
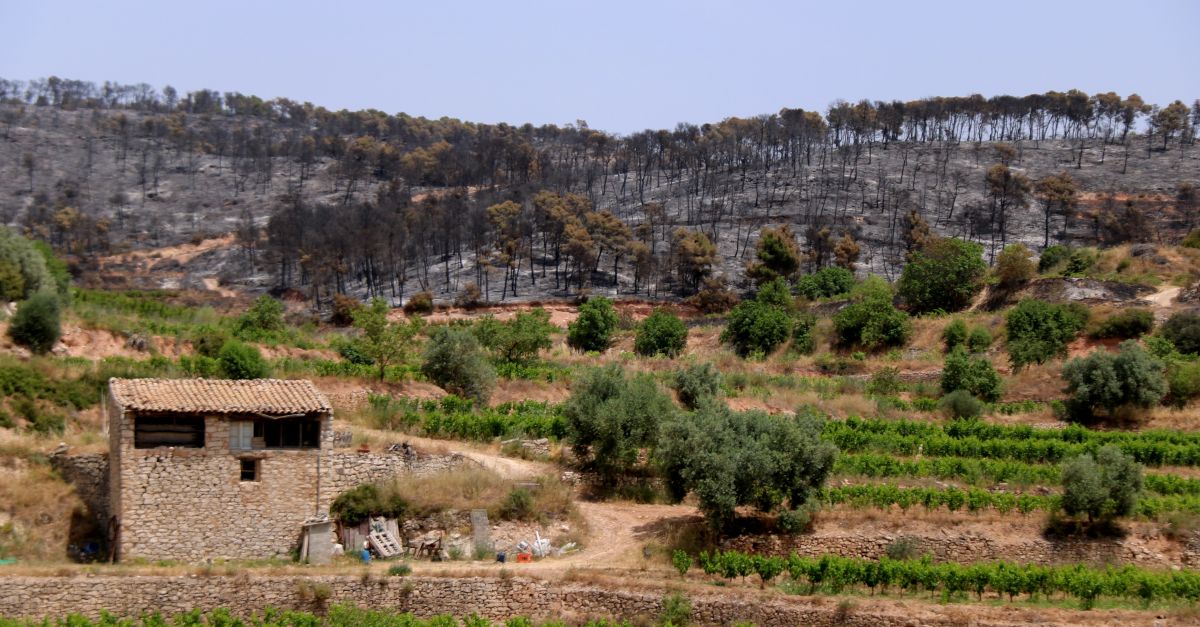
{"x":732,"y":458}
{"x":242,"y":361}
{"x":208,"y":340}
{"x":36,"y":324}
{"x":455,"y":361}
{"x":1191,"y":240}
{"x":1039,"y":331}
{"x":360,"y":502}
{"x":955,"y":334}
{"x":794,"y":521}
{"x":1183,"y":331}
{"x":518,"y":505}
{"x":872,"y":324}
{"x":874,"y":287}
{"x":419,"y":304}
{"x":776,"y":293}
{"x":777,"y":255}
{"x":945,"y":274}
{"x":352,"y":352}
{"x":611,"y":416}
{"x":756,"y":328}
{"x":903,"y":548}
{"x":979,"y":339}
{"x":344,"y":307}
{"x":972,"y":374}
{"x":676,"y":610}
{"x":804,"y":326}
{"x":885,"y":382}
{"x":1103,"y":487}
{"x":1130,"y":378}
{"x":1080,"y":261}
{"x":697,"y":384}
{"x":1014,"y":266}
{"x":593,"y":329}
{"x":519,"y":340}
{"x":1183,"y":382}
{"x":961,"y":404}
{"x":454,"y":417}
{"x":263,"y":319}
{"x":1126,"y":324}
{"x":399,"y":570}
{"x":382,"y":341}
{"x":1053,"y":257}
{"x":23,"y":270}
{"x":681,"y":561}
{"x":825,"y":283}
{"x":661,"y":333}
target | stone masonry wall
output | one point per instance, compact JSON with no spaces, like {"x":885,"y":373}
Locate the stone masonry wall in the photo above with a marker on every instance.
{"x":495,"y":599}
{"x":89,"y":474}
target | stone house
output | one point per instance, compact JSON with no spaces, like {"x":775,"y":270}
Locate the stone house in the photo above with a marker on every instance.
{"x":216,"y":469}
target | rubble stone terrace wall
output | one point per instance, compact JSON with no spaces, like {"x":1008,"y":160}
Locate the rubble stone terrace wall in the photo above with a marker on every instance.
{"x":492,"y":598}
{"x":89,"y":474}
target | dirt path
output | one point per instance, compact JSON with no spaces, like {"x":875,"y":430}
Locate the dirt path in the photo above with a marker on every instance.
{"x":1165,"y":297}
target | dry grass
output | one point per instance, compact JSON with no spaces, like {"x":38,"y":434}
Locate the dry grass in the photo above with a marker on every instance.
{"x":479,"y":488}
{"x":39,"y":513}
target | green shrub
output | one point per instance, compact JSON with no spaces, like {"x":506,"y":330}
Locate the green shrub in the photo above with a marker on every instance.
{"x":1080,"y":261}
{"x":872,"y":324}
{"x":518,"y":505}
{"x":24,"y":267}
{"x":825,"y":283}
{"x":945,"y":274}
{"x":1102,"y":488}
{"x":263,"y":318}
{"x":343,"y":310}
{"x":399,"y":570}
{"x":242,"y":361}
{"x":885,"y":382}
{"x":353,"y":353}
{"x":697,"y":383}
{"x":681,"y":561}
{"x":661,"y":333}
{"x":6,"y":421}
{"x":955,"y":334}
{"x":455,"y":361}
{"x":1126,"y":324}
{"x":519,"y":340}
{"x":610,"y":418}
{"x":804,"y":327}
{"x":1052,"y":257}
{"x":1191,"y":240}
{"x":979,"y":339}
{"x":593,"y":329}
{"x":360,"y":502}
{"x":676,"y":610}
{"x":776,"y":293}
{"x":975,"y":375}
{"x":903,"y":548}
{"x":208,"y":340}
{"x":1039,"y":331}
{"x":36,"y":325}
{"x":756,"y":328}
{"x":200,"y":366}
{"x":1183,"y":331}
{"x":1183,"y":382}
{"x":794,"y":521}
{"x":960,"y":404}
{"x":1130,"y":378}
{"x":420,"y":303}
{"x":40,"y":422}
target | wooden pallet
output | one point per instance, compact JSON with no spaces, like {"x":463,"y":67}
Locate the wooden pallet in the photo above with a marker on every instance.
{"x":385,"y":544}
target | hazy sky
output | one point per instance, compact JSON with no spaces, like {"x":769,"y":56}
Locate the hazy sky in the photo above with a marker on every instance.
{"x":622,"y":66}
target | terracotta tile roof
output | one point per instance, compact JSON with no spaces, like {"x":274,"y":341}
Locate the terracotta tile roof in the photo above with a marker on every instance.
{"x":222,"y":396}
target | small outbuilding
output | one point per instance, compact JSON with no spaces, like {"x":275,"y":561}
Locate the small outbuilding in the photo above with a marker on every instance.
{"x":215,"y":469}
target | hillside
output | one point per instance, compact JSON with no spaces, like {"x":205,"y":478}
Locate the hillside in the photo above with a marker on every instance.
{"x":366,"y":203}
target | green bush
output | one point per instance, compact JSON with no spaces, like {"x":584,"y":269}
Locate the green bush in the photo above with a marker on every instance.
{"x":979,"y":339}
{"x":975,"y":375}
{"x":36,"y":324}
{"x":1130,"y":378}
{"x":955,"y":334}
{"x":661,"y":333}
{"x":1039,"y":331}
{"x":1183,"y":382}
{"x":676,"y":610}
{"x":804,"y":327}
{"x":756,"y":328}
{"x":1014,"y":266}
{"x":1183,"y":331}
{"x":961,"y":404}
{"x":1052,"y":257}
{"x":593,"y":329}
{"x":399,"y":570}
{"x":610,"y":418}
{"x":885,"y":382}
{"x":242,"y":361}
{"x":681,"y":561}
{"x":776,"y":293}
{"x":208,"y":340}
{"x":1080,"y":261}
{"x":23,"y":270}
{"x":361,"y":502}
{"x":519,"y":340}
{"x":697,"y":383}
{"x":872,"y":324}
{"x":1102,"y":488}
{"x":945,"y":274}
{"x":518,"y":505}
{"x":263,"y":318}
{"x":40,"y":422}
{"x":732,"y":458}
{"x":353,"y":353}
{"x":825,"y":283}
{"x":793,"y":521}
{"x":1126,"y":324}
{"x":455,"y":361}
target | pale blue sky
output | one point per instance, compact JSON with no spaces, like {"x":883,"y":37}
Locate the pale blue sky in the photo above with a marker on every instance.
{"x":622,"y":66}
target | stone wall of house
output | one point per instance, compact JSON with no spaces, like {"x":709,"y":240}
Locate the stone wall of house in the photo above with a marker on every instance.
{"x":493,"y":598}
{"x":962,"y":547}
{"x":89,"y":474}
{"x":190,"y":504}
